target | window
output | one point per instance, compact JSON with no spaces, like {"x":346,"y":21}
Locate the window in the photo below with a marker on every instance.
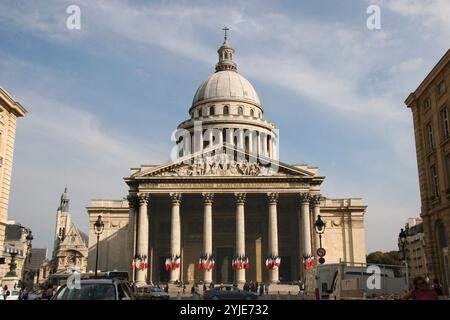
{"x":434,"y":176}
{"x":200,"y":112}
{"x":226,"y":110}
{"x":429,"y":130}
{"x":252,"y":112}
{"x":211,"y":111}
{"x":426,"y":103}
{"x":444,"y":118}
{"x":240,"y":111}
{"x":442,"y":87}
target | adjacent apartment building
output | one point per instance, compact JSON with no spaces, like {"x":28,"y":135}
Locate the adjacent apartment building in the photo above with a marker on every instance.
{"x":414,"y":250}
{"x":10,"y":110}
{"x":430,"y":106}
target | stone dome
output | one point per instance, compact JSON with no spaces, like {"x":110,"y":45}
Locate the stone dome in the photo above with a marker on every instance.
{"x":226,"y":85}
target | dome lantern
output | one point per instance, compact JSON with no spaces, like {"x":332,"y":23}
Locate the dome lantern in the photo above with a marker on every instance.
{"x":226,"y":52}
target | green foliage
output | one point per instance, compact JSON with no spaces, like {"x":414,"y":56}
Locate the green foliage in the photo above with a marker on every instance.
{"x":379,"y":257}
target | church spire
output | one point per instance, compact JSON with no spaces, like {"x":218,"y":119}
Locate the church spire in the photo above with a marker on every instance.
{"x":226,"y":52}
{"x":64,"y":205}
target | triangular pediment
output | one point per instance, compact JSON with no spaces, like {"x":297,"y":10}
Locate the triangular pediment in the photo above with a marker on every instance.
{"x":226,"y":163}
{"x":73,"y":238}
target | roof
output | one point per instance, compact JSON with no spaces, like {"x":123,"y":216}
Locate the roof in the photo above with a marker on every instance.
{"x":13,"y":106}
{"x":226,"y":85}
{"x":38,"y":256}
{"x":445,"y":59}
{"x":83,"y":236}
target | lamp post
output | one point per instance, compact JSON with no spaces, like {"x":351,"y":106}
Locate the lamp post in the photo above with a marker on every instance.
{"x":403,"y":241}
{"x":98,"y":229}
{"x":319,"y":227}
{"x":29,"y":238}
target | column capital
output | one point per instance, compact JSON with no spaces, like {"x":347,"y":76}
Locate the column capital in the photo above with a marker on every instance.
{"x":208,"y":198}
{"x":315,"y":199}
{"x":272,"y":197}
{"x":143,"y":198}
{"x":305,"y":197}
{"x":176,"y":198}
{"x":132,"y":200}
{"x":240,"y":197}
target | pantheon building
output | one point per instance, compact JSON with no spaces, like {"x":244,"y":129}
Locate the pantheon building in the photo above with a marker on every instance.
{"x":226,"y":209}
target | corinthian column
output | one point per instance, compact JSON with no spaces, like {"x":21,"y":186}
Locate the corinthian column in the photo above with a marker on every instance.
{"x":175,"y":235}
{"x":132,"y":223}
{"x":240,"y":234}
{"x":207,"y":232}
{"x":142,"y":236}
{"x":273,"y":234}
{"x":304,"y":229}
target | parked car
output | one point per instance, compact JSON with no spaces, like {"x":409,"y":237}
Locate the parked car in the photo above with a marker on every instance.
{"x":151,"y":293}
{"x":96,"y":289}
{"x":228,"y":292}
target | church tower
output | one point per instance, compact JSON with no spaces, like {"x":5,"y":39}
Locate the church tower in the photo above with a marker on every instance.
{"x":63,"y":218}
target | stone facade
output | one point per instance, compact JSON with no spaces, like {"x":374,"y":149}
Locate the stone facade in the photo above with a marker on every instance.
{"x":10,"y":110}
{"x":430,"y":106}
{"x":225,"y":199}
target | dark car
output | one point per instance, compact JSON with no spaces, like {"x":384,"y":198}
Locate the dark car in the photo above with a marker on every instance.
{"x":229,"y":293}
{"x":96,"y":289}
{"x":151,"y":293}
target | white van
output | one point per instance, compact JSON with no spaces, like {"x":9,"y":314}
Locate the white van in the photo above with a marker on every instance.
{"x":350,"y":281}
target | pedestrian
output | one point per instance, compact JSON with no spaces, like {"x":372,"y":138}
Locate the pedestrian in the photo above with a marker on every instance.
{"x":437,"y":288}
{"x":24,"y":294}
{"x":261,"y":289}
{"x":421,"y":291}
{"x":5,"y":292}
{"x":49,"y":293}
{"x":211,"y":285}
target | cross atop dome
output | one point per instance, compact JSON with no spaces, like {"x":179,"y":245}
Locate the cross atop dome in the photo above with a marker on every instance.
{"x":225,"y":29}
{"x":226,"y":52}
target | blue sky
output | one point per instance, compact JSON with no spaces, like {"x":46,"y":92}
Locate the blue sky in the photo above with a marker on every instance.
{"x":107,"y":97}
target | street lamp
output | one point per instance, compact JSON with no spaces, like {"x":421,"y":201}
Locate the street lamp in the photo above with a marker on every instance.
{"x":98,"y":229}
{"x":403,"y":241}
{"x":29,"y":238}
{"x":319,"y":226}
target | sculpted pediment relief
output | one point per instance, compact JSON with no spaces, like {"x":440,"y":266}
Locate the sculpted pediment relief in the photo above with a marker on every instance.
{"x":221,"y":165}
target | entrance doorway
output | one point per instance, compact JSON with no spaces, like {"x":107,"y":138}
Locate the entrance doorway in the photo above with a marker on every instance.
{"x":224,"y":272}
{"x":164,"y":276}
{"x":285,"y":269}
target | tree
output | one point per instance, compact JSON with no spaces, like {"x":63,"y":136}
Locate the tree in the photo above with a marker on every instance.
{"x":379,"y":257}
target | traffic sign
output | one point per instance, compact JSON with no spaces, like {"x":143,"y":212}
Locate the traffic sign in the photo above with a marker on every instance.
{"x":321,"y":260}
{"x":321,"y":252}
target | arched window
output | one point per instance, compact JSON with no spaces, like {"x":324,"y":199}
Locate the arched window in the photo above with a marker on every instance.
{"x":252,"y":112}
{"x":211,"y":111}
{"x":226,"y":110}
{"x":200,"y":112}
{"x":240,"y":111}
